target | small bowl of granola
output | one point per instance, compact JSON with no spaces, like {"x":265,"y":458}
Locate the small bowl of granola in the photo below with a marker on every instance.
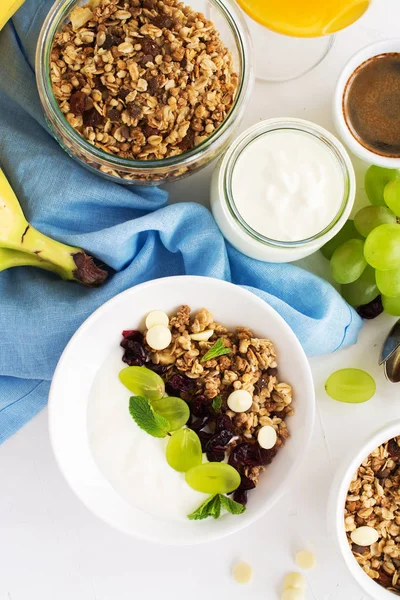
{"x":364,"y":513}
{"x":192,"y":404}
{"x":144,"y":91}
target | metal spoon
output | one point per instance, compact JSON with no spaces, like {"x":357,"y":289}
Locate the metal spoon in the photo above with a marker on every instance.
{"x":390,"y":354}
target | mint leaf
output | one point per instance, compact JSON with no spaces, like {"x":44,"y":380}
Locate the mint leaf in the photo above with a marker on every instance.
{"x":231,"y":506}
{"x":144,"y":416}
{"x":217,"y":403}
{"x":210,"y":508}
{"x":218,"y":349}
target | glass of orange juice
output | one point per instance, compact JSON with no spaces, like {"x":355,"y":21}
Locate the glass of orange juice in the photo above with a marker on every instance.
{"x":300,"y":32}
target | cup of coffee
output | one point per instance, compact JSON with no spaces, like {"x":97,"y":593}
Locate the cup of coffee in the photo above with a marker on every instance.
{"x":366,"y":105}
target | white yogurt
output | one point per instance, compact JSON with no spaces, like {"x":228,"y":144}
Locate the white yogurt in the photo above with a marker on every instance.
{"x":281,"y":182}
{"x":287,"y":185}
{"x":131,"y":460}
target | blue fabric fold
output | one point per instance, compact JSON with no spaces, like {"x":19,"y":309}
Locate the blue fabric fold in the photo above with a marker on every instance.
{"x":130,"y":229}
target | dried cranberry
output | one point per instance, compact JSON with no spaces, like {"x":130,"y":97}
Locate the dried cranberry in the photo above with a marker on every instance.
{"x":78,"y":103}
{"x":133,"y":334}
{"x":204,"y":437}
{"x":240,"y":496}
{"x":384,"y":579}
{"x":219,"y":441}
{"x":91,"y":118}
{"x":135,"y":353}
{"x":216,"y":456}
{"x":200,"y":423}
{"x":159,"y":369}
{"x":114,"y":115}
{"x":200,"y":406}
{"x":163,"y":21}
{"x":245,"y":455}
{"x":149,"y":47}
{"x":179,"y":383}
{"x":267,"y":456}
{"x":246,"y":483}
{"x":223,"y":422}
{"x":372,"y":309}
{"x":394,"y":449}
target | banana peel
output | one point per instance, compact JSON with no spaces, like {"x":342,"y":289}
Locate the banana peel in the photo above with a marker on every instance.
{"x":21,"y":244}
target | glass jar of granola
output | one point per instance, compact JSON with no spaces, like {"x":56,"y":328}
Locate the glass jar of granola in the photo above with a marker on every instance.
{"x":144,"y":91}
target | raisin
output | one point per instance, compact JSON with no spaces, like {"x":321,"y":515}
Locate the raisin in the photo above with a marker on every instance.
{"x":91,"y":118}
{"x":148,"y":131}
{"x":246,"y":483}
{"x":394,"y":449}
{"x":223,"y":423}
{"x":216,"y":456}
{"x":200,"y":407}
{"x":78,"y":103}
{"x":179,"y":383}
{"x":159,"y":369}
{"x":146,"y":59}
{"x":240,"y":496}
{"x":245,"y":455}
{"x":114,"y":115}
{"x":219,"y":441}
{"x":149,"y":4}
{"x":198,"y":423}
{"x":384,"y":579}
{"x":204,"y":437}
{"x":149,"y":47}
{"x":135,"y":111}
{"x":383,"y":474}
{"x":152,"y":85}
{"x":123,"y":93}
{"x":267,"y":456}
{"x":359,"y":549}
{"x":163,"y":21}
{"x":372,"y":309}
{"x":111,"y":40}
{"x":188,"y":141}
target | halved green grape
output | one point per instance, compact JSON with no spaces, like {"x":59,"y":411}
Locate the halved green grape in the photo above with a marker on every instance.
{"x":143,"y":382}
{"x":382,"y":247}
{"x":370,"y":217}
{"x":391,"y":195}
{"x":363,"y":290}
{"x":175,"y":410}
{"x":348,"y":232}
{"x":348,"y":262}
{"x":376,"y":178}
{"x":184,"y":450}
{"x":213,"y":478}
{"x":350,"y":385}
{"x":388,"y":282}
{"x":391,"y":305}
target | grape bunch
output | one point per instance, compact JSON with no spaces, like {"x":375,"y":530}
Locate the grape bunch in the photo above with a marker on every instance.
{"x":365,"y":255}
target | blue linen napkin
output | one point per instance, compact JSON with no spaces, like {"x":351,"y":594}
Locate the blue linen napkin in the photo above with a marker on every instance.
{"x":132,"y":230}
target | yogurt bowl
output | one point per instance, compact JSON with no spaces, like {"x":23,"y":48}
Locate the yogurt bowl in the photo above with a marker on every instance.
{"x":95,"y":348}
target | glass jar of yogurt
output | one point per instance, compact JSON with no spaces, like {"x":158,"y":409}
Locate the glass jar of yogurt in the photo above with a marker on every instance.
{"x":284,"y":188}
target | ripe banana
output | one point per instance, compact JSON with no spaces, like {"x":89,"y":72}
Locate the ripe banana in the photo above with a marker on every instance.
{"x":7,"y":9}
{"x":19,"y":237}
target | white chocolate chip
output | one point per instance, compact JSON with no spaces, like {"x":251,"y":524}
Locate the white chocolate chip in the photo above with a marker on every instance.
{"x":242,"y":572}
{"x":293,"y":594}
{"x":240,"y":400}
{"x":158,"y":337}
{"x":364,"y":536}
{"x":157,"y":317}
{"x":305,"y":559}
{"x":267,"y":437}
{"x":295,"y":581}
{"x":203,"y":336}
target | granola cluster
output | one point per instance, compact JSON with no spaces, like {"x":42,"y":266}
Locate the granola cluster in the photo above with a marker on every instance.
{"x":142,"y":79}
{"x":206,"y":385}
{"x":374,"y":500}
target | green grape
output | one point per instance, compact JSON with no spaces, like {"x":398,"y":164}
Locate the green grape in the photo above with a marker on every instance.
{"x":348,"y":262}
{"x":348,"y":232}
{"x":184,"y":450}
{"x":213,"y":478}
{"x":371,"y":216}
{"x":388,"y":282}
{"x":175,"y":410}
{"x":350,"y":385}
{"x":376,"y":178}
{"x":363,"y":290}
{"x":143,"y":382}
{"x":391,"y":305}
{"x":382,"y":247}
{"x":391,"y":195}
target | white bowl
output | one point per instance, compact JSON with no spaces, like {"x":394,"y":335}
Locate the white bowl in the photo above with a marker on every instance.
{"x":336,"y":506}
{"x":92,"y":344}
{"x":382,"y":47}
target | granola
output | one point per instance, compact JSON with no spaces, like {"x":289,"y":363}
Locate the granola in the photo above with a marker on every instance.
{"x":206,"y":385}
{"x":373,"y":500}
{"x":142,"y":79}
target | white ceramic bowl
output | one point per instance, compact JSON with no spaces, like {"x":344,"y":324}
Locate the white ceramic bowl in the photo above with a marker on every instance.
{"x":382,"y":47}
{"x":92,"y":344}
{"x":336,"y":505}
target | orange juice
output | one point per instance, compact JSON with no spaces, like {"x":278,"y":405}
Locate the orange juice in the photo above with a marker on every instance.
{"x":305,"y":18}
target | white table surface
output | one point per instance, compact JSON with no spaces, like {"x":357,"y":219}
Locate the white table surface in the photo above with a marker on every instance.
{"x":52,"y":548}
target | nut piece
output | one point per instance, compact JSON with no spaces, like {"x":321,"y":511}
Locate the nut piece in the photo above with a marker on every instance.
{"x":158,"y":337}
{"x":295,"y":581}
{"x":157,"y":317}
{"x":203,"y":336}
{"x":242,"y":572}
{"x":267,"y":437}
{"x":364,"y":536}
{"x":305,"y":559}
{"x":239,"y":401}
